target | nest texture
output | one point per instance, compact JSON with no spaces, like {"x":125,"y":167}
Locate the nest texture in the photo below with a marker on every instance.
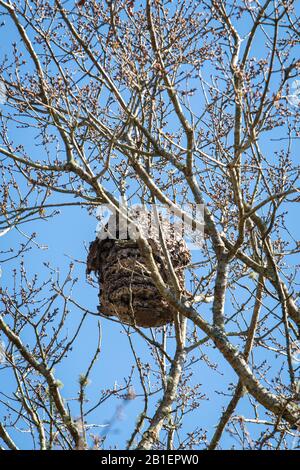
{"x":126,"y":290}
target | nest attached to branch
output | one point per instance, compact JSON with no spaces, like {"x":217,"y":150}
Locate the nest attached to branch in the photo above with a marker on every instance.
{"x":126,"y":290}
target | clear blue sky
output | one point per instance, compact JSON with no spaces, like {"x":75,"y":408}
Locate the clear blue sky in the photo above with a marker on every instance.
{"x":66,"y":236}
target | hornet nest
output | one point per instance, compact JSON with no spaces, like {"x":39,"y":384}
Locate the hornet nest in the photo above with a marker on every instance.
{"x":126,"y":289}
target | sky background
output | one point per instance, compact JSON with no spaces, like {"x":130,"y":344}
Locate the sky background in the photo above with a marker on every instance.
{"x":65,"y":238}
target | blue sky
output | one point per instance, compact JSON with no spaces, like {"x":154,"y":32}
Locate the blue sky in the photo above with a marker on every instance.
{"x":64,"y":238}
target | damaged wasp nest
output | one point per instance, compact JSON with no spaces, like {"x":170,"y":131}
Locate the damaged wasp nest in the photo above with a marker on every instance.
{"x":126,"y":290}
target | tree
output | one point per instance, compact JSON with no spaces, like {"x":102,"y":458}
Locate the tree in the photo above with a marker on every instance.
{"x":171,"y":103}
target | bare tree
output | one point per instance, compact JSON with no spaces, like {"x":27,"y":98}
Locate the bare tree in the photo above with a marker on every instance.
{"x":171,"y":103}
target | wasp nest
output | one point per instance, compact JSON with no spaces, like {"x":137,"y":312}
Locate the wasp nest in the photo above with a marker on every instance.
{"x":126,"y":288}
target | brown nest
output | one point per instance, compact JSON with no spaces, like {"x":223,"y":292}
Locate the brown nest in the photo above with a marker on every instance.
{"x":126,"y":290}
